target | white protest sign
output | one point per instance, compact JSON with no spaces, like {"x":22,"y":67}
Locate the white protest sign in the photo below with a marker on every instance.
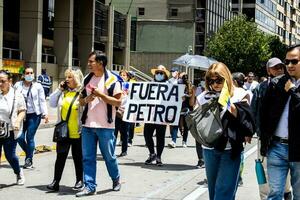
{"x":153,"y":102}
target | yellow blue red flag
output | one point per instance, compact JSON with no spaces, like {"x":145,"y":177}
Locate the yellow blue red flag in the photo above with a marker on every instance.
{"x":224,"y":98}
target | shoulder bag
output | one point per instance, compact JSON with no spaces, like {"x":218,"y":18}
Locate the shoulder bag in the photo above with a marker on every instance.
{"x":205,"y":123}
{"x":61,"y":131}
{"x":4,"y":126}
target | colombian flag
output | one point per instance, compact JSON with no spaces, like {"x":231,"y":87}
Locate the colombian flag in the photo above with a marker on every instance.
{"x":224,"y":98}
{"x":111,"y":79}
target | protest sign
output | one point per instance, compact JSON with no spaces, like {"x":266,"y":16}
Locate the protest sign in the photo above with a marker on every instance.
{"x":152,"y":102}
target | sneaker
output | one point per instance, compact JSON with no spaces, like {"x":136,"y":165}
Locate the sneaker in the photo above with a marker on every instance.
{"x":78,"y":185}
{"x":116,"y":185}
{"x":28,"y":164}
{"x":200,"y":164}
{"x":287,"y":196}
{"x":151,"y":159}
{"x":184,"y":145}
{"x":158,"y":162}
{"x":122,"y":154}
{"x":20,"y":178}
{"x":129,"y":144}
{"x":85,"y":192}
{"x":172,"y":144}
{"x":240,"y":183}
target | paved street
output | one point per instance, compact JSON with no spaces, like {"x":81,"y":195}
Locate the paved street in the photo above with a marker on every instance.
{"x":177,"y":179}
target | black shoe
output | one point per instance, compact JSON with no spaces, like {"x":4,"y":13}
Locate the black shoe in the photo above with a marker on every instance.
{"x":54,"y":186}
{"x":200,"y":164}
{"x":123,"y":154}
{"x":28,"y":164}
{"x":151,"y":159}
{"x":85,"y":192}
{"x":288,"y":196}
{"x":240,"y":183}
{"x":116,"y":185}
{"x":78,"y":185}
{"x":158,"y":162}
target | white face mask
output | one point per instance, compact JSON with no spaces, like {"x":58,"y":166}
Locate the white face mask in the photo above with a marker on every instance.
{"x":159,"y":77}
{"x":29,"y":77}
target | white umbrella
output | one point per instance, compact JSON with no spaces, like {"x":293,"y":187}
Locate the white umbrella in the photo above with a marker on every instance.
{"x":194,"y":61}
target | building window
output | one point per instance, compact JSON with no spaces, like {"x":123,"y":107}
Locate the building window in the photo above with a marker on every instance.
{"x":141,"y":11}
{"x":174,"y":12}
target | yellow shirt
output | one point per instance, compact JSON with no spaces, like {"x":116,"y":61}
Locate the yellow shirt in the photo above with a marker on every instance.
{"x":73,"y":123}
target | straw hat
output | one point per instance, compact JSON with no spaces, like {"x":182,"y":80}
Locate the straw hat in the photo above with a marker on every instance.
{"x":160,"y":68}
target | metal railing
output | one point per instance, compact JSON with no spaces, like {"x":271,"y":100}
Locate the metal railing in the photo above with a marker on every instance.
{"x":10,"y":53}
{"x":48,"y":58}
{"x":139,"y":74}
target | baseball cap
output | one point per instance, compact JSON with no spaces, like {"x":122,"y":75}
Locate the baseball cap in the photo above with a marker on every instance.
{"x":273,"y":62}
{"x":175,"y":69}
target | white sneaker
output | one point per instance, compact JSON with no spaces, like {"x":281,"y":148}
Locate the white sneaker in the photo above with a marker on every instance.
{"x":120,"y":143}
{"x":172,"y":144}
{"x":184,"y":145}
{"x":20,"y":178}
{"x":129,"y":144}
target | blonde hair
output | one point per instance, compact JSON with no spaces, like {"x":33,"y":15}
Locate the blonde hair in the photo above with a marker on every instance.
{"x":77,"y":75}
{"x":221,"y":70}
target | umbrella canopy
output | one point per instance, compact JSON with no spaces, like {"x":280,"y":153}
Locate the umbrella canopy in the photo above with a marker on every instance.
{"x":195,"y":61}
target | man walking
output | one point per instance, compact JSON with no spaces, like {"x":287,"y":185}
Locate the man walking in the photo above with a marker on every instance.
{"x":102,"y":93}
{"x":275,"y":67}
{"x":46,"y":82}
{"x":280,"y":125}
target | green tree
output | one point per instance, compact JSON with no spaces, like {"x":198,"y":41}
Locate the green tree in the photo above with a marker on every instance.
{"x":240,"y":45}
{"x":278,"y":49}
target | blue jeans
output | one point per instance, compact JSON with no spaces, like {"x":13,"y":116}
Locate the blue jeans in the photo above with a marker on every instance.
{"x":106,"y":139}
{"x":10,"y":145}
{"x":26,"y":140}
{"x":222,"y":173}
{"x":277,"y":169}
{"x":174,"y":131}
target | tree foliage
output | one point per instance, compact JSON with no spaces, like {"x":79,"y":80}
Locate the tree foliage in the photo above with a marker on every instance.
{"x":242,"y":47}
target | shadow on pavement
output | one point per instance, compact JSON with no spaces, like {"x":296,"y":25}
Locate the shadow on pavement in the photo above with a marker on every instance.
{"x":63,"y":190}
{"x":7,"y":185}
{"x":171,"y":167}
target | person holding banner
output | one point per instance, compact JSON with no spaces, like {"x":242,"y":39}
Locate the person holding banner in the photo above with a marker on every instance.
{"x":161,"y":74}
{"x":223,"y":158}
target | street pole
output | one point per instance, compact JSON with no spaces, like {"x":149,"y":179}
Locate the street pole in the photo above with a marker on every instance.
{"x":241,"y":6}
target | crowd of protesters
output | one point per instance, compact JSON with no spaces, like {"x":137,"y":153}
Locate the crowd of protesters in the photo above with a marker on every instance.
{"x":269,"y":108}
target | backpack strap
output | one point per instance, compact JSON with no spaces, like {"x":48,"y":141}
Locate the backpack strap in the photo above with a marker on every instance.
{"x":70,"y":107}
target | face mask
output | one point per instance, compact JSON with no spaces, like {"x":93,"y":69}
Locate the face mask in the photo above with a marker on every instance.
{"x":29,"y":78}
{"x":159,"y":77}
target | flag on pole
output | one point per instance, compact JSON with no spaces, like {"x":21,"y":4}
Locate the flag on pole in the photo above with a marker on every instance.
{"x":224,"y":98}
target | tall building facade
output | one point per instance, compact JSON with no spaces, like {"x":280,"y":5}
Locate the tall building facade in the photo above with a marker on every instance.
{"x":276,"y":17}
{"x":56,"y":34}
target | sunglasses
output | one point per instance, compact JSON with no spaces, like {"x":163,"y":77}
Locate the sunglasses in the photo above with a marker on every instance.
{"x":159,"y":73}
{"x":217,"y":81}
{"x":293,"y":61}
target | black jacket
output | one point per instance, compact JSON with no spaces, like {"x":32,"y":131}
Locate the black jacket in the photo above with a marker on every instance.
{"x":273,"y":105}
{"x":243,"y":125}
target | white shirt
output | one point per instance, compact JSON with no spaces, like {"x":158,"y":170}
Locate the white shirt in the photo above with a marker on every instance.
{"x":283,"y":125}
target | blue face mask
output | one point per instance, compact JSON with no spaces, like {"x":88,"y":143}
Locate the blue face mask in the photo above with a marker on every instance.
{"x":159,"y":77}
{"x":29,"y":78}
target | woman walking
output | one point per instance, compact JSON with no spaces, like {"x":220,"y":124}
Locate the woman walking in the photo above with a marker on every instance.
{"x":12,"y":112}
{"x":62,"y":98}
{"x":223,"y":159}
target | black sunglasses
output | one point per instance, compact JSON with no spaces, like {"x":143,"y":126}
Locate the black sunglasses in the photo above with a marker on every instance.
{"x":217,"y":81}
{"x":293,"y":61}
{"x":159,"y":73}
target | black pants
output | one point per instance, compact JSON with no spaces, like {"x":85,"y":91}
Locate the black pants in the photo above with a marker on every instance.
{"x":62,"y":150}
{"x":122,"y":126}
{"x":199,"y":151}
{"x":131,"y":131}
{"x":160,"y":138}
{"x":183,"y":128}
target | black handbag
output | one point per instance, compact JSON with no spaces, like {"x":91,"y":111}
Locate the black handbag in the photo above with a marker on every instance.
{"x":61,"y":131}
{"x":4,"y":126}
